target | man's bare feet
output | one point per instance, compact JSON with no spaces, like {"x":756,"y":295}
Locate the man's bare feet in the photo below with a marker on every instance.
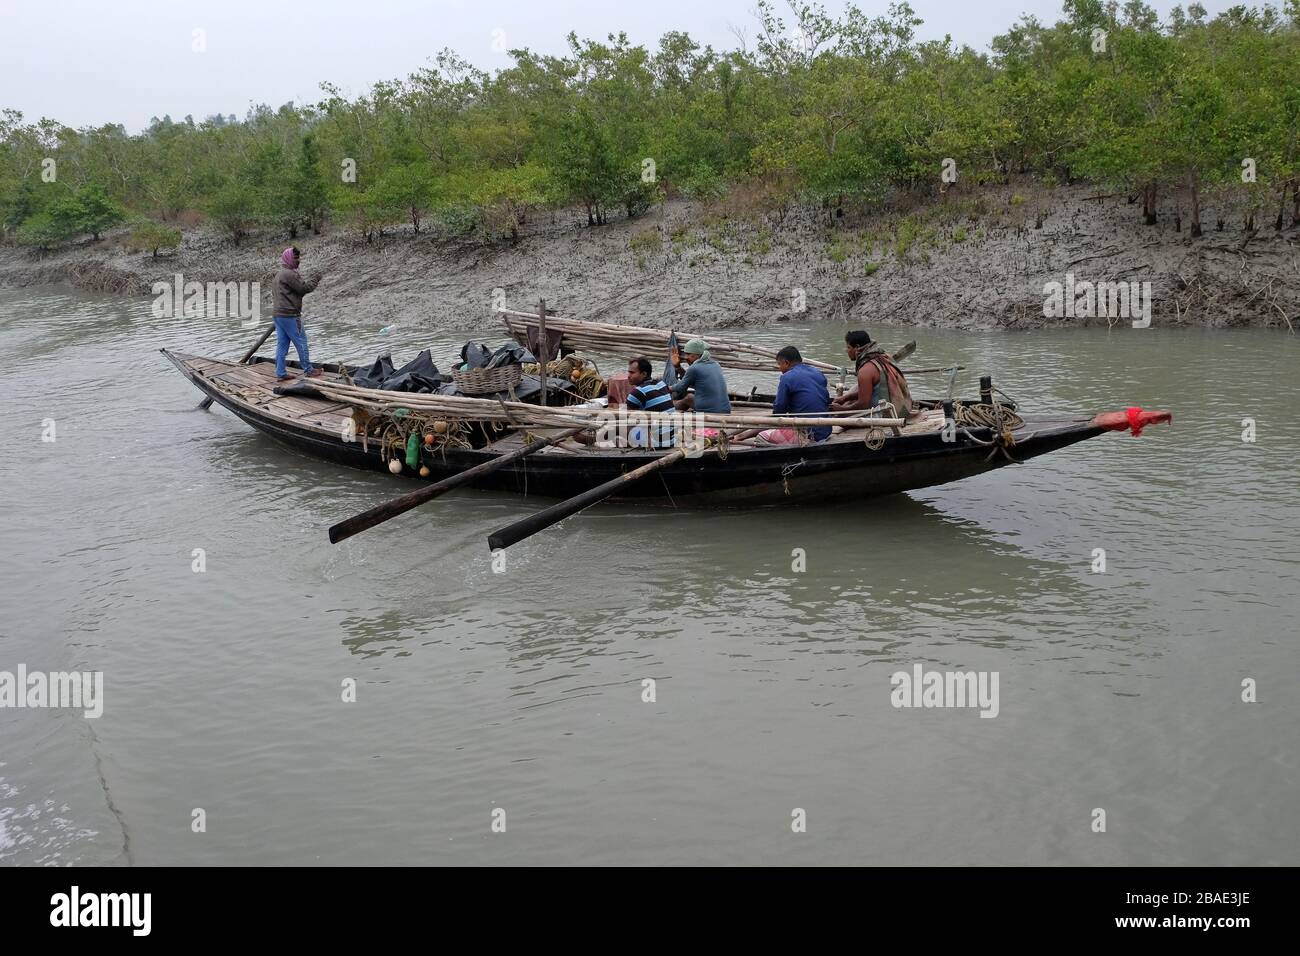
{"x":315,"y":373}
{"x":284,"y":378}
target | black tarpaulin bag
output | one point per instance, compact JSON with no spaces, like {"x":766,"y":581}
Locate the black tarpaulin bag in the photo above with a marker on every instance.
{"x":530,"y":387}
{"x":419,"y":375}
{"x":376,"y":375}
{"x":475,"y":355}
{"x":510,"y":355}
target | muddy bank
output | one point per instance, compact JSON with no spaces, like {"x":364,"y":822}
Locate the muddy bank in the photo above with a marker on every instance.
{"x":979,"y":259}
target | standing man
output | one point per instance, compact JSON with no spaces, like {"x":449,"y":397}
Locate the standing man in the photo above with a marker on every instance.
{"x":801,"y":391}
{"x":287,"y":291}
{"x":879,"y":379}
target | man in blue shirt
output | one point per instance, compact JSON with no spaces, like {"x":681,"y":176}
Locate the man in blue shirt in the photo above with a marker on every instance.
{"x":802,"y":391}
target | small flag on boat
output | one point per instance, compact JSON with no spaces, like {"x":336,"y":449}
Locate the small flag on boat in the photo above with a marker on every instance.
{"x":674,"y":359}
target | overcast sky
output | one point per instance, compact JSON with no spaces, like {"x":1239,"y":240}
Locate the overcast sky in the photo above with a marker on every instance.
{"x":89,"y":62}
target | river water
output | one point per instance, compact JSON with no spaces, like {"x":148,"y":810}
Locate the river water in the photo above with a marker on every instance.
{"x":522,"y":691}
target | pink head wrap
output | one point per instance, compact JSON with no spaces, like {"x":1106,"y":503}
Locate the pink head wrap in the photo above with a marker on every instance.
{"x":290,"y":258}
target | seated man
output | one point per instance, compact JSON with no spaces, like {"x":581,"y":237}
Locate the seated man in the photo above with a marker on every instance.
{"x":641,"y":392}
{"x":704,"y":376}
{"x":648,"y":395}
{"x":879,"y":379}
{"x":802,"y":391}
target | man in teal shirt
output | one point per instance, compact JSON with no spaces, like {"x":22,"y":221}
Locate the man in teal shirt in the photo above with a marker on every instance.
{"x":704,"y":375}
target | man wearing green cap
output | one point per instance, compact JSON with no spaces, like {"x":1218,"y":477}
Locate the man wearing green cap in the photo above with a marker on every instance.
{"x":704,"y":375}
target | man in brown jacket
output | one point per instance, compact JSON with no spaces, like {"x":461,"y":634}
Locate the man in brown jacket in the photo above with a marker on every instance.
{"x":287,"y":292}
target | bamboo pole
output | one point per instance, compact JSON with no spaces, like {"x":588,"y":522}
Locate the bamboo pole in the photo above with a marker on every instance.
{"x":545,"y":357}
{"x":729,"y":353}
{"x":525,"y":414}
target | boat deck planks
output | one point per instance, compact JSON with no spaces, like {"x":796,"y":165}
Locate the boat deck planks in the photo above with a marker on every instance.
{"x":254,"y":385}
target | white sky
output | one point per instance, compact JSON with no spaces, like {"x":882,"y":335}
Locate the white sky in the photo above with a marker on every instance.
{"x":89,"y":62}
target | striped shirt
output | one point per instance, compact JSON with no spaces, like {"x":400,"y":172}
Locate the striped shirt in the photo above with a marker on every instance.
{"x":651,"y":397}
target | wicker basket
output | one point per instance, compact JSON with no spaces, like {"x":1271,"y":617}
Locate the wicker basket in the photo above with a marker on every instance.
{"x":485,"y":381}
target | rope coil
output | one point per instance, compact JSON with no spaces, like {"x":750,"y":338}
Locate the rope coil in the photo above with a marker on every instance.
{"x":982,"y":415}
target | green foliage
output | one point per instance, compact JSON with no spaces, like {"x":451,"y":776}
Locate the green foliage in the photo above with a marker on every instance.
{"x":409,"y":188}
{"x":502,"y":198}
{"x":841,"y":111}
{"x":22,"y":201}
{"x":96,"y":212}
{"x":704,"y":183}
{"x":366,"y":210}
{"x":45,"y":230}
{"x":49,"y":221}
{"x":235,"y":207}
{"x":149,"y":236}
{"x":912,"y":232}
{"x":838,"y":250}
{"x":646,"y":242}
{"x":307,"y":197}
{"x":760,"y":243}
{"x":585,"y":166}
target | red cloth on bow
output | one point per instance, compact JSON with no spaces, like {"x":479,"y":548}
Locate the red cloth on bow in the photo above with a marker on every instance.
{"x":1134,"y":419}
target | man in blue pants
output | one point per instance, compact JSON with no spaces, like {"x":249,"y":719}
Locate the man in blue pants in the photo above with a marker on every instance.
{"x":287,"y":293}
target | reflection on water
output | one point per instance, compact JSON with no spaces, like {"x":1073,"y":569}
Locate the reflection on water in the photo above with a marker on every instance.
{"x":524,"y":689}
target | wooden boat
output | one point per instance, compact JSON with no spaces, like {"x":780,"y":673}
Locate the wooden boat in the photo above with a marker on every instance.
{"x":847,"y":466}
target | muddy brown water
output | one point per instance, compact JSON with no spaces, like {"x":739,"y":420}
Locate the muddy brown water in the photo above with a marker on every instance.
{"x":523,"y":690}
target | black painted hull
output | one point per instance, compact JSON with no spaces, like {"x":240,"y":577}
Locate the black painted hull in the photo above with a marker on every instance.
{"x":832,"y":471}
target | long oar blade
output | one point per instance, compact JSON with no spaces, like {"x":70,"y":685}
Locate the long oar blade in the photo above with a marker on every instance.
{"x":391,"y":509}
{"x":527,"y":527}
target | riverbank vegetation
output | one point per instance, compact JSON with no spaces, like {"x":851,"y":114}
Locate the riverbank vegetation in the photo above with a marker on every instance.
{"x":837,"y":114}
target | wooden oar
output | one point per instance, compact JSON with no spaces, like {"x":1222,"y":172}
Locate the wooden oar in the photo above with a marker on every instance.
{"x":207,"y":402}
{"x":908,"y":349}
{"x":936,"y":368}
{"x":391,"y":509}
{"x":527,"y":527}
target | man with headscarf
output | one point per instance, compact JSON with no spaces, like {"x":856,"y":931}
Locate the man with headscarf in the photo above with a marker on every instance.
{"x":287,"y":290}
{"x":704,"y":375}
{"x":879,"y":379}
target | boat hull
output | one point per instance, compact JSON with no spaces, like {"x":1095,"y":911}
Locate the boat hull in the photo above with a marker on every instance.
{"x":824,"y":472}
